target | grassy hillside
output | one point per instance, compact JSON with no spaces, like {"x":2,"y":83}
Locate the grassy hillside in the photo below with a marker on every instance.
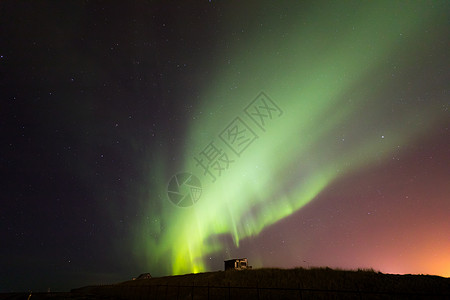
{"x":317,"y":283}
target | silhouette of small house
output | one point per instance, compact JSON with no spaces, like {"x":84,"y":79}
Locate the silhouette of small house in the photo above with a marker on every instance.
{"x":144,"y":276}
{"x":237,"y":264}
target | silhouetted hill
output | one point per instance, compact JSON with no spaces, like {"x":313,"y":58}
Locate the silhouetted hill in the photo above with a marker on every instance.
{"x":316,"y":283}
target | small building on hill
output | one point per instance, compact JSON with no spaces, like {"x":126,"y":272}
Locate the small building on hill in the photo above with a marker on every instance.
{"x":237,"y":264}
{"x":144,"y":276}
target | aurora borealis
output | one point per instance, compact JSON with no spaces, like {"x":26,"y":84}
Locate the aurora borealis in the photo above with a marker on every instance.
{"x":350,"y":168}
{"x":314,"y":143}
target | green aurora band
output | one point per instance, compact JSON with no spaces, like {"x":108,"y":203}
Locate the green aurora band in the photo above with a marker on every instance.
{"x":338,"y":118}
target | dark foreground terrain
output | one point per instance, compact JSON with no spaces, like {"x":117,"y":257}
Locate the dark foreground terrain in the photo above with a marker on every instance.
{"x":318,"y":283}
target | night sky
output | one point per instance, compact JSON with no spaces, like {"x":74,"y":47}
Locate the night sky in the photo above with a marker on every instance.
{"x":164,"y":138}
